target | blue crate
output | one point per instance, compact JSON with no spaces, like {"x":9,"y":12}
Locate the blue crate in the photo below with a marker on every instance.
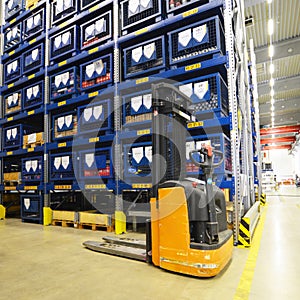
{"x":64,"y":125}
{"x":179,"y":6}
{"x":32,"y":169}
{"x":13,"y":8}
{"x":96,"y":73}
{"x":34,"y":25}
{"x":217,"y":140}
{"x":61,"y":167}
{"x":137,"y":14}
{"x":209,"y":94}
{"x":97,"y":31}
{"x":197,"y":41}
{"x":62,"y":9}
{"x":33,"y":60}
{"x":33,"y":95}
{"x":12,"y":102}
{"x":32,"y":207}
{"x":95,"y":117}
{"x":64,"y":84}
{"x":96,"y":164}
{"x":12,"y":37}
{"x":84,"y":4}
{"x":12,"y":69}
{"x":145,"y":58}
{"x":13,"y":136}
{"x":137,"y":160}
{"x":137,"y":107}
{"x":64,"y":44}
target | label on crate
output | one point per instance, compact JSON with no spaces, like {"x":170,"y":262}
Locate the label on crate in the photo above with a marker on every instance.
{"x":10,"y":119}
{"x":9,"y":153}
{"x":63,"y":25}
{"x":62,"y":63}
{"x":61,"y":145}
{"x":195,"y":124}
{"x":32,"y":41}
{"x":95,"y":186}
{"x":31,"y":76}
{"x":10,"y":188}
{"x":30,"y":113}
{"x":142,"y":186}
{"x":190,"y":12}
{"x":94,"y":140}
{"x":142,"y":80}
{"x":193,"y":67}
{"x":13,"y":21}
{"x":94,"y":8}
{"x":94,"y":50}
{"x":30,"y":188}
{"x":12,"y":53}
{"x":141,"y":31}
{"x":61,"y":103}
{"x":94,"y":94}
{"x":11,"y":85}
{"x":30,"y":149}
{"x":142,"y":132}
{"x":63,"y":187}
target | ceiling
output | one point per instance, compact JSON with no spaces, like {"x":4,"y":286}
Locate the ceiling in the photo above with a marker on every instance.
{"x":286,"y":59}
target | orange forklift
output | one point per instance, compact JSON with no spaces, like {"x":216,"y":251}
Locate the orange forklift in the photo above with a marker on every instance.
{"x":187,"y":232}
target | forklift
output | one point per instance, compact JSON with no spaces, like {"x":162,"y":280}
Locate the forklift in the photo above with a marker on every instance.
{"x":187,"y":232}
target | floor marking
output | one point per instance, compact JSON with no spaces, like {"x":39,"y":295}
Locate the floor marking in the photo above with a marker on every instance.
{"x":244,"y":287}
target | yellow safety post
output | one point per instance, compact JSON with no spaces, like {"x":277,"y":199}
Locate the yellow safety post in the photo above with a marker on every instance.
{"x":47,"y":216}
{"x":263,"y":200}
{"x":2,"y":212}
{"x":120,"y":222}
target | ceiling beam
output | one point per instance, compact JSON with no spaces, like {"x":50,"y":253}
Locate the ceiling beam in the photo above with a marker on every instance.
{"x":276,"y":147}
{"x":282,"y":84}
{"x":281,"y":129}
{"x":280,"y":50}
{"x":290,"y":139}
{"x":289,"y":104}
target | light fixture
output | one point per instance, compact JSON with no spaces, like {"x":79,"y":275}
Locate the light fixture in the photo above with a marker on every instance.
{"x":272,"y":68}
{"x":272,"y":82}
{"x":270,"y":1}
{"x":271,"y":51}
{"x":282,"y":106}
{"x":272,"y":101}
{"x":272,"y":114}
{"x":272,"y":93}
{"x":270,"y":26}
{"x":273,"y":119}
{"x":290,"y":50}
{"x":272,"y":108}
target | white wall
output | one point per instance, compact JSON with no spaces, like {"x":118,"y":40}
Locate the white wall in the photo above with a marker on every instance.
{"x":284,"y":165}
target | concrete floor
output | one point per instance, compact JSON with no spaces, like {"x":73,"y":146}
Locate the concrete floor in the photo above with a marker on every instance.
{"x":39,"y":262}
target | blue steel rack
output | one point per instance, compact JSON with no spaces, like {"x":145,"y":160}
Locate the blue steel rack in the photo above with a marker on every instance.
{"x":61,"y":10}
{"x":32,"y":208}
{"x":12,"y":103}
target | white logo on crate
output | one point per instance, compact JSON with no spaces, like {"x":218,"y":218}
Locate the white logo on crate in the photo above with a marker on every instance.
{"x":133,"y":6}
{"x":28,"y":165}
{"x":184,"y":37}
{"x":148,"y":153}
{"x":35,"y":54}
{"x":89,"y":70}
{"x":57,"y":42}
{"x":57,"y":162}
{"x":137,"y":54}
{"x":200,"y":89}
{"x":147,"y":101}
{"x":34,"y":165}
{"x":65,"y":161}
{"x":97,"y":111}
{"x":57,"y":80}
{"x":68,"y":120}
{"x":189,"y":146}
{"x":199,"y":33}
{"x":99,"y":66}
{"x":27,"y":203}
{"x":65,"y":78}
{"x":66,"y":38}
{"x":187,"y":89}
{"x":138,"y":154}
{"x":60,"y":122}
{"x":31,"y":138}
{"x":35,"y":90}
{"x":136,"y":102}
{"x":89,"y":159}
{"x":149,"y":50}
{"x":87,"y":113}
{"x":8,"y":134}
{"x":14,"y":132}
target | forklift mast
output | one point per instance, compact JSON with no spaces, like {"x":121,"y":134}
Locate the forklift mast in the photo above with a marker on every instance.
{"x":170,"y":116}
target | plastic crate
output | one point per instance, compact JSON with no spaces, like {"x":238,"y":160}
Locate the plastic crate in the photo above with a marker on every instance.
{"x":208,"y":93}
{"x":33,"y":95}
{"x":96,"y":164}
{"x":147,"y":57}
{"x":12,"y":69}
{"x":64,"y":125}
{"x":12,"y":37}
{"x":220,"y":142}
{"x":179,"y":6}
{"x":34,"y":25}
{"x":64,"y":44}
{"x":95,"y":117}
{"x":137,"y":161}
{"x":97,"y":31}
{"x":12,"y":102}
{"x":138,"y":14}
{"x":33,"y":60}
{"x":32,"y":207}
{"x":13,"y":136}
{"x":64,"y":84}
{"x":61,"y":167}
{"x":84,"y":4}
{"x":32,"y":169}
{"x":201,"y":40}
{"x":62,"y":9}
{"x":137,"y":108}
{"x":13,"y":8}
{"x":96,"y":73}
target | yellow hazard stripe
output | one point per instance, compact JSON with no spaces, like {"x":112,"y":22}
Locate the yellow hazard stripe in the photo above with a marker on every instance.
{"x":243,"y":243}
{"x":245,"y":230}
{"x":244,"y":287}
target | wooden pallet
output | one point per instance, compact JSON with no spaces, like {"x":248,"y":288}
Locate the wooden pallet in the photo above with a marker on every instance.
{"x":63,"y":223}
{"x":96,"y":227}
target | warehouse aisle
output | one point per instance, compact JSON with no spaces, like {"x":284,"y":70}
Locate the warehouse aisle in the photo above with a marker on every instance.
{"x":39,"y":262}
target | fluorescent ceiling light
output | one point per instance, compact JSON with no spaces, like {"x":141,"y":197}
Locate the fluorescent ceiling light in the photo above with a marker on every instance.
{"x":272,"y":93}
{"x":272,"y":82}
{"x":272,"y":114}
{"x":272,"y":101}
{"x":270,"y":1}
{"x":270,"y":26}
{"x":273,"y":119}
{"x":272,"y":108}
{"x":271,"y":51}
{"x":272,"y":68}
